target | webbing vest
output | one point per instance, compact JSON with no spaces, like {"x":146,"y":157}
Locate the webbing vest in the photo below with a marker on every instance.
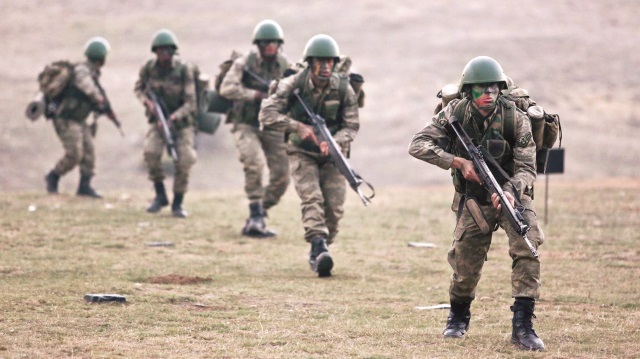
{"x":246,"y":112}
{"x":328,"y":107}
{"x":498,"y":139}
{"x":169,"y":86}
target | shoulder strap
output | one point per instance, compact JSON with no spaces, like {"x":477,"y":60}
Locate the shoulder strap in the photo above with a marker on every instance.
{"x":282,"y":61}
{"x":460,"y":108}
{"x":508,"y":126}
{"x":252,"y":60}
{"x":342,"y":88}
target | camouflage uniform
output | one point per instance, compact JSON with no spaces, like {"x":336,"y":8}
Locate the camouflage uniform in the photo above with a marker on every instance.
{"x":71,"y":125}
{"x":176,"y":87}
{"x":253,"y":143}
{"x":318,"y":182}
{"x":470,"y":245}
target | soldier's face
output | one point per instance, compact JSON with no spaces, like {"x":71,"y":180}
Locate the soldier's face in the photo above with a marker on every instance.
{"x":164,"y":54}
{"x":268,"y":48}
{"x":321,"y":68}
{"x":485,"y":95}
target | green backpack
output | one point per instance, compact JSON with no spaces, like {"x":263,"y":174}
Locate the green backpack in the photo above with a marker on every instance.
{"x":55,"y":78}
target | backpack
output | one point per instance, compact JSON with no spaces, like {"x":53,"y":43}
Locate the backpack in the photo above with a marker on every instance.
{"x":55,"y":78}
{"x":355,"y":80}
{"x":224,"y":68}
{"x":545,"y":127}
{"x":207,"y":122}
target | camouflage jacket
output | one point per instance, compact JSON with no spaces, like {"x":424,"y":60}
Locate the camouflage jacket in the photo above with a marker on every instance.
{"x":175,"y":86}
{"x":281,"y":110}
{"x":84,"y":95}
{"x":517,"y":159}
{"x":242,"y":87}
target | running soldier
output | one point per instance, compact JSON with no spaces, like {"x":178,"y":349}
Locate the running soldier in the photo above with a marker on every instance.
{"x":246,"y":83}
{"x":487,"y":117}
{"x":171,"y":80}
{"x":317,"y":180}
{"x":79,"y":99}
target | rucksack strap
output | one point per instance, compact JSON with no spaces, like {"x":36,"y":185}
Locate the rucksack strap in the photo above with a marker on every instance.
{"x":508,"y":119}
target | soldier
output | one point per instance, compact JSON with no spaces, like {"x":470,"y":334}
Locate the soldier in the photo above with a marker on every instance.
{"x":317,"y":180}
{"x":246,"y":83}
{"x":485,"y":115}
{"x":172,"y":80}
{"x":70,"y":119}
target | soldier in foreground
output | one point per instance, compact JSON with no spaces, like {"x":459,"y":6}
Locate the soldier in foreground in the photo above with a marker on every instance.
{"x":485,"y":115}
{"x":317,"y":180}
{"x":171,"y":80}
{"x":246,"y":83}
{"x":82,"y":96}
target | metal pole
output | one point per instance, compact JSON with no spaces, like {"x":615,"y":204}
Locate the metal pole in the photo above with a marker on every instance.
{"x":546,"y":196}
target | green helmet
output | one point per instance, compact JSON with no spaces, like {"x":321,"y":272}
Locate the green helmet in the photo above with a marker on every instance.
{"x":163,"y":38}
{"x":482,"y":69}
{"x":321,"y":46}
{"x":268,"y":30}
{"x":96,"y":48}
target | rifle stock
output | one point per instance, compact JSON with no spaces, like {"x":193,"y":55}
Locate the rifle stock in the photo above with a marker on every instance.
{"x":335,"y":152}
{"x":167,"y":128}
{"x":264,"y":84}
{"x":515,"y":217}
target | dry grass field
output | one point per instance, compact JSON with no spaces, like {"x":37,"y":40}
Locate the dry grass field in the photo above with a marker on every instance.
{"x":215,"y":294}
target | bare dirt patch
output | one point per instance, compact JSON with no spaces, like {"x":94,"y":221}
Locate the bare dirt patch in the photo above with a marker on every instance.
{"x":178,"y":279}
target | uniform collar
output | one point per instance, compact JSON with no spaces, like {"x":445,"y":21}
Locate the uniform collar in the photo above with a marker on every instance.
{"x":174,"y":61}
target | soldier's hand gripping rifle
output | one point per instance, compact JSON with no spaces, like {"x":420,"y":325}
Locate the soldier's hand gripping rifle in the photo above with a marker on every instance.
{"x":320,"y":128}
{"x":515,"y":217}
{"x":108,"y":110}
{"x":167,"y":128}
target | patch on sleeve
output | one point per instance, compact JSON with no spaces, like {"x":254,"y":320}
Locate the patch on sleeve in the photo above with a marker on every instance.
{"x":441,"y":119}
{"x":524,"y":140}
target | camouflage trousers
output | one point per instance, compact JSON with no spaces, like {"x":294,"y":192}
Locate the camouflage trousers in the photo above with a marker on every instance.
{"x":155,"y":146}
{"x":322,"y":190}
{"x":254,"y":146}
{"x":78,"y":146}
{"x":470,"y":246}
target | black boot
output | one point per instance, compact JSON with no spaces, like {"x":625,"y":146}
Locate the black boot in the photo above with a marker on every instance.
{"x":255,"y":225}
{"x":84,"y":189}
{"x":523,"y":334}
{"x":52,"y":179}
{"x":160,"y":200}
{"x":458,"y":320}
{"x":319,"y":258}
{"x":176,"y":206}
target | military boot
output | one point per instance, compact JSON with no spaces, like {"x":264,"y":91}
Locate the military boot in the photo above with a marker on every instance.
{"x":52,"y":179}
{"x":160,"y":200}
{"x":458,"y":320}
{"x":176,"y":206}
{"x":84,"y":188}
{"x":523,"y":334}
{"x":255,"y":225}
{"x":320,"y":260}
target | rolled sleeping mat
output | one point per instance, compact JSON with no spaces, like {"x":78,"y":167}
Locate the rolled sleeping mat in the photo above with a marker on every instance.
{"x":36,"y":107}
{"x":217,"y":103}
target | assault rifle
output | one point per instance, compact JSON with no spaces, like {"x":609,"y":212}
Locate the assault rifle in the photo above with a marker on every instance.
{"x":515,"y":217}
{"x":264,"y":84}
{"x":167,"y":128}
{"x":108,"y":110}
{"x":320,"y":128}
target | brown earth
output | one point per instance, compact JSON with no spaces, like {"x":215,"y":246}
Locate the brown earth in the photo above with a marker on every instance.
{"x":177,"y":279}
{"x":577,"y":58}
